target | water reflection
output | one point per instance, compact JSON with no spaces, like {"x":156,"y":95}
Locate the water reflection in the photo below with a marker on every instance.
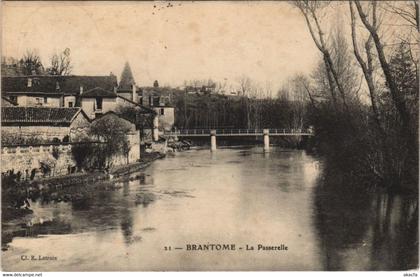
{"x":241,"y":196}
{"x":362,"y":230}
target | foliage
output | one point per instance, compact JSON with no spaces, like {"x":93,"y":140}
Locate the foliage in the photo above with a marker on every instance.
{"x":218,"y":111}
{"x":9,"y":138}
{"x":112,"y":131}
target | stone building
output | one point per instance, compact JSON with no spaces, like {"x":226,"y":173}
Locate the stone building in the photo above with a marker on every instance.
{"x":43,"y":123}
{"x":98,"y":101}
{"x":159,"y":99}
{"x":52,"y":91}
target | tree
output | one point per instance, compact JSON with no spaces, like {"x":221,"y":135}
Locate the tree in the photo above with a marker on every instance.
{"x":61,"y":63}
{"x":155,"y":84}
{"x":367,"y":66}
{"x":112,"y":132}
{"x":31,"y":64}
{"x":397,"y":97}
{"x":310,"y":10}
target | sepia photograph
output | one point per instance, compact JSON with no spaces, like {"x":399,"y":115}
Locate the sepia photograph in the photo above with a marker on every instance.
{"x":209,"y":136}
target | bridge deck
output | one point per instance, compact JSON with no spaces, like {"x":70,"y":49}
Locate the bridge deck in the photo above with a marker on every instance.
{"x":237,"y":132}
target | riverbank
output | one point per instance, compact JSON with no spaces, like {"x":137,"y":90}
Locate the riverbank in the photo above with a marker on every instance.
{"x":72,"y":187}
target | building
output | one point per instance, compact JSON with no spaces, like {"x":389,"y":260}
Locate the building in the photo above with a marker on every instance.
{"x":127,"y":86}
{"x":160,"y":100}
{"x":45,"y":124}
{"x":98,"y":101}
{"x":52,"y":91}
{"x":7,"y":102}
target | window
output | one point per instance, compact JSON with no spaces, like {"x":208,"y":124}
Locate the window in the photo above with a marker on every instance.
{"x":99,"y":103}
{"x":38,"y":101}
{"x":162,"y":112}
{"x":45,"y":100}
{"x":70,"y":104}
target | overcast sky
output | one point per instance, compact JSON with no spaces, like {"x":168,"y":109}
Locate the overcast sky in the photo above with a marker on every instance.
{"x":267,"y":41}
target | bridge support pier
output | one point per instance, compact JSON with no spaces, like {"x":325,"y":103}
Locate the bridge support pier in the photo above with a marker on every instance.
{"x":213,"y":146}
{"x":266,"y":133}
{"x":155,"y":128}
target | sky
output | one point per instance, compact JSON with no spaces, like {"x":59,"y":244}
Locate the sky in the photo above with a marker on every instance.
{"x":266,"y":41}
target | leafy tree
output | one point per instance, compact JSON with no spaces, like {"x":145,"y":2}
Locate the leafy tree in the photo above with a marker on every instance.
{"x":112,"y":132}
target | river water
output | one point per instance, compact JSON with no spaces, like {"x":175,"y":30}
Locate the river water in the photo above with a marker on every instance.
{"x":237,"y":196}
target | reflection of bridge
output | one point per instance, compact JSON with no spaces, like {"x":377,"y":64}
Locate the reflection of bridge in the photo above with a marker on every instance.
{"x":266,"y":133}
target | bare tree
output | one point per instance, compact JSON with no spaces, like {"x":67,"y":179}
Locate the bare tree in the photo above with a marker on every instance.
{"x":397,"y":97}
{"x":367,"y":66}
{"x":310,"y":9}
{"x":61,"y":63}
{"x":30,"y":63}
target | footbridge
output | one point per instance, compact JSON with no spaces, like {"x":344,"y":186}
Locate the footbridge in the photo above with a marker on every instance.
{"x":213,"y":133}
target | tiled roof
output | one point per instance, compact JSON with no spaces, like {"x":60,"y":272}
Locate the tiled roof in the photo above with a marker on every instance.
{"x":56,"y":84}
{"x":37,"y":115}
{"x":14,"y":103}
{"x":98,"y":92}
{"x":143,"y":109}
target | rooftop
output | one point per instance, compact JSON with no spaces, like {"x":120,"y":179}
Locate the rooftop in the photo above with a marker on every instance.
{"x":98,"y":92}
{"x":48,"y":84}
{"x":38,"y":115}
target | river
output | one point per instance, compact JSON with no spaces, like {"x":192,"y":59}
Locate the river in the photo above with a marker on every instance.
{"x":237,"y":196}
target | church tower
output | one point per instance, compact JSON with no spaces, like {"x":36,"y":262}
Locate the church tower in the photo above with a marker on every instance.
{"x":127,"y":85}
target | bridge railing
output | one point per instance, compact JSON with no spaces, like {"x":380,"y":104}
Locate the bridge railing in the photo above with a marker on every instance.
{"x":235,"y":131}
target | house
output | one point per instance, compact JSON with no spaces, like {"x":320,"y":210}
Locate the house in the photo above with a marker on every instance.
{"x":98,"y":101}
{"x":159,"y":99}
{"x":52,"y":91}
{"x":44,"y":123}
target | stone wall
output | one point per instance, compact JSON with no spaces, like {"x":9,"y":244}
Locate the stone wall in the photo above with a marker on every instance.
{"x":25,"y":159}
{"x":41,"y":132}
{"x":58,"y":158}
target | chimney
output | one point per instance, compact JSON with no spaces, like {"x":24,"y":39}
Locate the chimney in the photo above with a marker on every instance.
{"x":134,"y":97}
{"x":81,"y":89}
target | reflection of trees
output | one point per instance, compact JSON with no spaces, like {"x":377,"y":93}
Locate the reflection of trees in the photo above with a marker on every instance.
{"x":395,"y":232}
{"x":341,"y":217}
{"x":127,"y":226}
{"x":349,"y":217}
